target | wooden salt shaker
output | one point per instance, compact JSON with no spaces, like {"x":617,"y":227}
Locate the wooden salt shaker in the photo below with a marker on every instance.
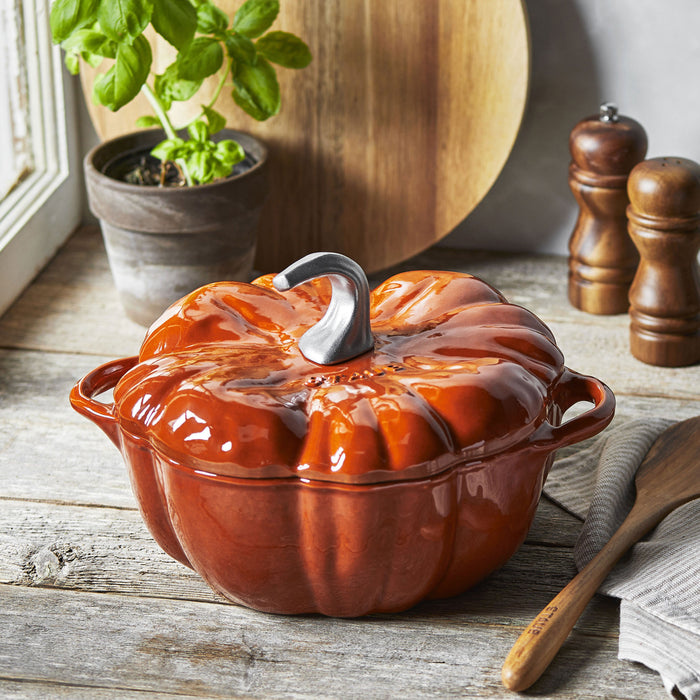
{"x":603,"y":260}
{"x":664,"y":223}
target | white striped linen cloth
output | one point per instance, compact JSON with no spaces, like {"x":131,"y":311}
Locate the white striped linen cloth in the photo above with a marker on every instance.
{"x":658,"y":581}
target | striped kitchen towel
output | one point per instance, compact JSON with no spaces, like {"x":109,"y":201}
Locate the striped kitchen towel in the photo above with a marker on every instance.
{"x":658,"y":581}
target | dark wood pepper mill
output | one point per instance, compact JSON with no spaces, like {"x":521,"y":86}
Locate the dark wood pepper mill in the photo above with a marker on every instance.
{"x":603,"y":260}
{"x":664,"y":223}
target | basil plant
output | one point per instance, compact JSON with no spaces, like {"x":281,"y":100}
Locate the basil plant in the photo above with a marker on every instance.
{"x":241,"y":51}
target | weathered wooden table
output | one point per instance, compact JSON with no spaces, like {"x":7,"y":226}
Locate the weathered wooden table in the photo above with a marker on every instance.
{"x":91,"y":608}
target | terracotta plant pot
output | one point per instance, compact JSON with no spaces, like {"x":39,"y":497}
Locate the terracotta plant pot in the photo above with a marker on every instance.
{"x":163,"y":242}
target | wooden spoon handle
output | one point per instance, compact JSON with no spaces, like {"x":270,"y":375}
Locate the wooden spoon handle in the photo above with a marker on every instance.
{"x":540,"y":642}
{"x":543,"y":637}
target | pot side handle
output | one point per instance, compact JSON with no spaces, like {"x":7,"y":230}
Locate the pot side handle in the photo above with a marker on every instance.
{"x":101,"y":379}
{"x":571,"y":388}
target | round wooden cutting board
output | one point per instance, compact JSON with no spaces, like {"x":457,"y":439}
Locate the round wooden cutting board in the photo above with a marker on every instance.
{"x":392,"y":135}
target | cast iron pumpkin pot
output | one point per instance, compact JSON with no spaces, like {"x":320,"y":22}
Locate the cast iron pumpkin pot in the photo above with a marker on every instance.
{"x":307,"y":446}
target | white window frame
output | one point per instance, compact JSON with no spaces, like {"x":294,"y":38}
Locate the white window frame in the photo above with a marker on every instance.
{"x":38,"y":216}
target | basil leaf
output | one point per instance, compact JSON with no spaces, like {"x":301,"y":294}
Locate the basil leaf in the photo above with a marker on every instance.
{"x":200,"y":166}
{"x":216,"y":121}
{"x":160,"y":87}
{"x":98,"y":43}
{"x":73,"y":63}
{"x":124,"y":20}
{"x":147,"y":122}
{"x":219,"y":169}
{"x":206,"y":162}
{"x":92,"y":59}
{"x":180,"y":90}
{"x":210,"y":19}
{"x":203,"y":57}
{"x":122,"y":82}
{"x":132,"y":65}
{"x":198,"y":131}
{"x":257,"y":91}
{"x":240,"y":48}
{"x":175,"y":21}
{"x":170,"y":87}
{"x":229,"y":152}
{"x":285,"y":49}
{"x":103,"y":89}
{"x":254,"y":17}
{"x":170,"y":149}
{"x":91,"y":41}
{"x":69,"y":15}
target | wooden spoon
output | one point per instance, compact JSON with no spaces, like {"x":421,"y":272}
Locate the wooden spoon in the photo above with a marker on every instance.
{"x":668,"y":477}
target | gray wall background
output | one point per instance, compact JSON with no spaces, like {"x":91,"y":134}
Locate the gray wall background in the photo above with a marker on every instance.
{"x":643,"y":55}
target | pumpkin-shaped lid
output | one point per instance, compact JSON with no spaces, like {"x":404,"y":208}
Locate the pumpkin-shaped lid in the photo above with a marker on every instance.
{"x":442,"y":370}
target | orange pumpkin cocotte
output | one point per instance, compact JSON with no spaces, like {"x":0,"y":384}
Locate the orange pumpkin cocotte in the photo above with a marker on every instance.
{"x":409,"y":471}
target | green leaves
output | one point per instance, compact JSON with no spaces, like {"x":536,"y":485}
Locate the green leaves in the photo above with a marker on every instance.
{"x":198,"y":131}
{"x":175,"y":21}
{"x":90,"y":45}
{"x":148,"y":122}
{"x":207,"y":42}
{"x":255,"y":17}
{"x":203,"y":57}
{"x":284,"y":48}
{"x":121,"y":83}
{"x":210,"y":19}
{"x":205,"y":160}
{"x":229,"y":152}
{"x":69,"y":15}
{"x":215,"y":120}
{"x":169,"y":149}
{"x":257,"y":91}
{"x":90,"y":41}
{"x":211,"y":164}
{"x":124,"y":20}
{"x":73,"y":63}
{"x":240,"y":48}
{"x":171,"y":87}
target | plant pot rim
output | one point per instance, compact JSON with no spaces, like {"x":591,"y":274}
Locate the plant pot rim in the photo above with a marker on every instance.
{"x":144,"y":137}
{"x":148,"y":209}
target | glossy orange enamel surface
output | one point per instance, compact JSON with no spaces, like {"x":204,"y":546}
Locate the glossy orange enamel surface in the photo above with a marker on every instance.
{"x":291,"y":547}
{"x":410,"y":472}
{"x":456,"y":373}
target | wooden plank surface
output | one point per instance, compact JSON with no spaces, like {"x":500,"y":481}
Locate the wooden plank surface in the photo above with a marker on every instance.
{"x":406,"y":104}
{"x":211,"y":650}
{"x":91,"y":608}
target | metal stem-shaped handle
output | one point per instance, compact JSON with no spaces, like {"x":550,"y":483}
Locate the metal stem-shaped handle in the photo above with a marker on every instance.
{"x":344,"y":331}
